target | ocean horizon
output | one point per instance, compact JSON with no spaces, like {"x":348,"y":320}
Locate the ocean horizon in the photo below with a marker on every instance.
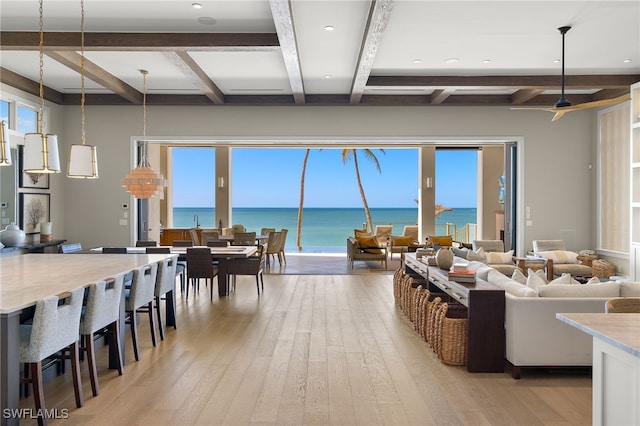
{"x":322,"y":227}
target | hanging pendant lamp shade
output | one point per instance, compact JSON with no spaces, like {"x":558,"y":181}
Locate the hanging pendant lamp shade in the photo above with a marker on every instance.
{"x":41,"y":150}
{"x":5,"y":147}
{"x":83,"y":158}
{"x":143,"y":181}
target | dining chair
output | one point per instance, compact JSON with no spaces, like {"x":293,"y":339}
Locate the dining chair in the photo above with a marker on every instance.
{"x":146,"y":243}
{"x":200,"y":265}
{"x":165,"y":282}
{"x":623,"y":305}
{"x":266,"y":231}
{"x":244,"y":239}
{"x":182,"y":243}
{"x":114,"y":250}
{"x":141,"y":294}
{"x":237,"y":228}
{"x":181,"y":267}
{"x":193,"y":233}
{"x":272,"y":248}
{"x":219,"y":243}
{"x":54,"y":328}
{"x":207,"y":235}
{"x":282,"y":241}
{"x":252,"y":265}
{"x":101,"y":310}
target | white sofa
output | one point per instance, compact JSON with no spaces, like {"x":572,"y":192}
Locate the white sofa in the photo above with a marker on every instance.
{"x":534,"y":337}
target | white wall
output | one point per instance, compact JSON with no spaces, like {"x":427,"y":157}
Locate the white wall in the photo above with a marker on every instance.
{"x":558,"y":183}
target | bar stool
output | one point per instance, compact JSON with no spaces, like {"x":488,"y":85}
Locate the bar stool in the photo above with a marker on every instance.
{"x":55,"y":327}
{"x":102,"y":310}
{"x":140,"y":294}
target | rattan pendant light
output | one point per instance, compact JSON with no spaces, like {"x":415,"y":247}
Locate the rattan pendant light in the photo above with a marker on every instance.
{"x":40,"y":150}
{"x":83,"y":158}
{"x":5,"y":146}
{"x":143,"y":181}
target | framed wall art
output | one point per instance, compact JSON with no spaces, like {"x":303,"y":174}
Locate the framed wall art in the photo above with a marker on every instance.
{"x":34,"y":210}
{"x":30,"y":180}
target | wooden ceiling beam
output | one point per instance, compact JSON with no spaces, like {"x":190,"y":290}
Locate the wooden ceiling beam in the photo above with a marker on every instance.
{"x":184,"y":62}
{"x":283,"y":20}
{"x":19,"y":82}
{"x":24,"y":40}
{"x":379,"y":14}
{"x":440,"y":95}
{"x":525,"y":95}
{"x":97,"y":74}
{"x":546,"y":82}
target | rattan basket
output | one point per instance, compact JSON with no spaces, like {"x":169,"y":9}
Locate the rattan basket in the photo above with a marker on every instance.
{"x":452,"y":329}
{"x":602,"y":269}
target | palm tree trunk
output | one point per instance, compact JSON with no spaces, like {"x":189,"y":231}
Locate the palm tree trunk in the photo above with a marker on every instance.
{"x":300,"y":206}
{"x":367,"y":212}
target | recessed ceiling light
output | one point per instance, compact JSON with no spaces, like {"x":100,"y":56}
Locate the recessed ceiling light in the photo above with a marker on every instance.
{"x":451,"y":60}
{"x":627,"y":61}
{"x":196,"y":5}
{"x":486,"y":61}
{"x":329,"y":28}
{"x":206,"y":20}
{"x":417,"y":61}
{"x":556,"y":61}
{"x":327,"y":76}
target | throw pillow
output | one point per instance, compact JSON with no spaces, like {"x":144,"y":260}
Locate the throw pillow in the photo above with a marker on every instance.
{"x":460,"y":252}
{"x":369,"y":244}
{"x":534,"y":280}
{"x":401,"y":240}
{"x":519,"y":277}
{"x":444,"y":240}
{"x":496,"y":257}
{"x":478,"y":255}
{"x":361,"y":233}
{"x":593,"y":280}
{"x":559,"y":256}
{"x":564,"y":279}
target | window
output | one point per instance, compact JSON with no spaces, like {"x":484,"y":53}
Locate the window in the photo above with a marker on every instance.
{"x":27,"y":119}
{"x":193,"y":186}
{"x":4,"y":111}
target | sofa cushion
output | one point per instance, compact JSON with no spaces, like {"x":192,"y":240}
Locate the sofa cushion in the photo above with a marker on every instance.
{"x":630,"y":289}
{"x":510,"y":286}
{"x":559,"y":256}
{"x":519,"y":277}
{"x":478,"y":255}
{"x":369,"y":244}
{"x":611,"y":289}
{"x":460,"y":252}
{"x":495,"y":257}
{"x":482,"y":270}
{"x":564,"y":279}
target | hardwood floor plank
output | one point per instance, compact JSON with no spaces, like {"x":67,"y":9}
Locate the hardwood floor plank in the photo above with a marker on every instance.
{"x":316,"y":407}
{"x":341,"y":410}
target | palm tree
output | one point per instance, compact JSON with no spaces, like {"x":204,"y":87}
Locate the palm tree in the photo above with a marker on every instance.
{"x":300,"y":206}
{"x":347,"y":154}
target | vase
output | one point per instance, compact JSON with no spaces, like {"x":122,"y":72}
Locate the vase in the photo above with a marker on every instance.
{"x":12,"y":236}
{"x":444,"y":258}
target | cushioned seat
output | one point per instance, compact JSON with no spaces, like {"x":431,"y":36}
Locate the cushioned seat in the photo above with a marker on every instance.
{"x":141,"y":294}
{"x":559,"y":259}
{"x":367,"y":249}
{"x":496,"y":257}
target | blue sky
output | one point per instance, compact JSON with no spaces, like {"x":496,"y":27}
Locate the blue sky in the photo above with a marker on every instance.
{"x":271,"y":178}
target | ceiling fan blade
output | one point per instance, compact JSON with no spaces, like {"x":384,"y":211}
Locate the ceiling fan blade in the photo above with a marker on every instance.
{"x":550,"y":109}
{"x":558,"y":115}
{"x":595,"y":104}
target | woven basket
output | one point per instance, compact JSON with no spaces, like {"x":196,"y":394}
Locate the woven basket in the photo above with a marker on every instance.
{"x":602,"y":269}
{"x":451,"y":341}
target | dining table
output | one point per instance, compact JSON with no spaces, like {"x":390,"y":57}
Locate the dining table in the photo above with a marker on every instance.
{"x":219,"y":254}
{"x":260,"y":239}
{"x":27,"y":278}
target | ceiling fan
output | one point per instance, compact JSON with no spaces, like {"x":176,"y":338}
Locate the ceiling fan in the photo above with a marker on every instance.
{"x":563,"y":105}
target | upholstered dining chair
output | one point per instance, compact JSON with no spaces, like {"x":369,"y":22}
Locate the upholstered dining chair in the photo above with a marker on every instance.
{"x":102,"y":310}
{"x":559,"y":260}
{"x":219,"y":243}
{"x":54,"y":328}
{"x":181,"y":267}
{"x":141,"y":293}
{"x":200,"y":265}
{"x":252,"y":265}
{"x":165,"y":282}
{"x":182,"y":243}
{"x":237,"y":228}
{"x":114,"y":250}
{"x":282,"y":242}
{"x":193,"y":233}
{"x":244,"y":239}
{"x":623,"y":305}
{"x":266,"y":231}
{"x":207,"y":235}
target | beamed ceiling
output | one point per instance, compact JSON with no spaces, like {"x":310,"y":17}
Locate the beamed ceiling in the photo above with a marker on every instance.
{"x":279,"y":52}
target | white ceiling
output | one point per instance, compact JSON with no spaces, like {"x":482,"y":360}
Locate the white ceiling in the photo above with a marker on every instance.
{"x":519,"y":38}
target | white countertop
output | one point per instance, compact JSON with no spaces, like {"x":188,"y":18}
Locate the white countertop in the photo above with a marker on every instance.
{"x":620,"y":330}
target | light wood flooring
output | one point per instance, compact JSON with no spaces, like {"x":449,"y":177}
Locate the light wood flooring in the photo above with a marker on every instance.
{"x":311,"y":350}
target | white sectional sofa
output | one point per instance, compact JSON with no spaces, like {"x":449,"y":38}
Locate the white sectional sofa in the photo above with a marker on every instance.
{"x":534,"y":337}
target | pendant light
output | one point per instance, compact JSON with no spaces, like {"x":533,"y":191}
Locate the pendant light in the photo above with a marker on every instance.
{"x":40,"y":150}
{"x":143,"y":181}
{"x":5,"y":146}
{"x":83,"y":159}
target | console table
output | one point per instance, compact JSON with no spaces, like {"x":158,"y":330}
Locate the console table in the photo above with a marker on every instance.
{"x":485,"y":304}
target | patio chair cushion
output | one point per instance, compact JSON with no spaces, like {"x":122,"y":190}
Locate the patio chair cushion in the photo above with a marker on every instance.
{"x":402,"y":240}
{"x":369,"y":244}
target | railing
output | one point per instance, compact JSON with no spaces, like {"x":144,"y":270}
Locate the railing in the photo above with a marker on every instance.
{"x":466,"y":234}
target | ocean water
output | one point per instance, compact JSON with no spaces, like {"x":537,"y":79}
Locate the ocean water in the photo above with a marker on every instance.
{"x":325,"y":228}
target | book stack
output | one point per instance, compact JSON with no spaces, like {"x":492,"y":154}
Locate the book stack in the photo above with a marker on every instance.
{"x":429,"y":260}
{"x":462,"y":275}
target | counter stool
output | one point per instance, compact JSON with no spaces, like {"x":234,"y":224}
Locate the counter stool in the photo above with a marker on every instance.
{"x":102,"y":310}
{"x":140,"y":294}
{"x":55,"y":327}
